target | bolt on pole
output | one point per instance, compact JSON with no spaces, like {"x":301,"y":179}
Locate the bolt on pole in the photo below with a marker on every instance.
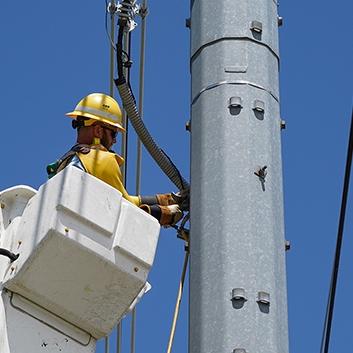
{"x":238,"y":298}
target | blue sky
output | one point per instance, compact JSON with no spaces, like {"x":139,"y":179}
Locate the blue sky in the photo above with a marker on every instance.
{"x":55,"y":53}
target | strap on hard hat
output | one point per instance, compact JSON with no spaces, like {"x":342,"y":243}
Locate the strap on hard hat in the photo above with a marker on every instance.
{"x":76,"y":124}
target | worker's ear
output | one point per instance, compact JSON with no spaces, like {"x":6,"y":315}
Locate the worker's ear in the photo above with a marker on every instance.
{"x":97,"y":131}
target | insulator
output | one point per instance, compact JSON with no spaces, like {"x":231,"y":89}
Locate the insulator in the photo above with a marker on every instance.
{"x":127,"y":10}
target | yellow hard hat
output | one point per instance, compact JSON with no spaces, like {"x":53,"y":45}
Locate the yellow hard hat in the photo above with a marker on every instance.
{"x":99,"y":107}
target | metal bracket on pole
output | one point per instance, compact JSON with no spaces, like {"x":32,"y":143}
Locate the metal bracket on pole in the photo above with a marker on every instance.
{"x":238,"y":294}
{"x":143,"y":12}
{"x":261,"y":172}
{"x":112,"y":8}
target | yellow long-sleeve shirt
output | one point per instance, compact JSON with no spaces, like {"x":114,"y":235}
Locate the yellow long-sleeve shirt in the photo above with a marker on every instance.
{"x":105,"y":166}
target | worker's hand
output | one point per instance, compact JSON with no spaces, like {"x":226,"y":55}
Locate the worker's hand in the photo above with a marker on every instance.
{"x":159,"y":199}
{"x":170,"y":215}
{"x":165,"y":199}
{"x":166,"y":215}
{"x":182,"y":198}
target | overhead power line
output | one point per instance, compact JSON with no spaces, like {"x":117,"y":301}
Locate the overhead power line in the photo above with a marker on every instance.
{"x":332,"y":293}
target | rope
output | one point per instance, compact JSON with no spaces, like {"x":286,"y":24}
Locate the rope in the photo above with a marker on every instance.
{"x":177,"y":305}
{"x":333,"y":285}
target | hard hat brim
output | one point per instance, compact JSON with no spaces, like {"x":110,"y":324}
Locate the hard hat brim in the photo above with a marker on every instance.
{"x":77,"y":113}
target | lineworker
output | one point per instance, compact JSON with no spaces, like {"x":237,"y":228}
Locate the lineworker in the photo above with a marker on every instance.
{"x":98,"y":119}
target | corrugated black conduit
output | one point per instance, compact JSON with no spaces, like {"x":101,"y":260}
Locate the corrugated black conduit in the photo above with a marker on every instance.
{"x":129,"y":104}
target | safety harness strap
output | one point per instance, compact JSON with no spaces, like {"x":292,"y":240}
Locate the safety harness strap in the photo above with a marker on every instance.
{"x":59,"y":164}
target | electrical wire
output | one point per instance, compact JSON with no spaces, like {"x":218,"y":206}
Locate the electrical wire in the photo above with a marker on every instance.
{"x":125,"y":70}
{"x":139,"y":144}
{"x":129,"y":104}
{"x":124,"y":141}
{"x":144,"y":10}
{"x":332,"y":292}
{"x":9,"y":254}
{"x":106,"y":26}
{"x":178,"y":301}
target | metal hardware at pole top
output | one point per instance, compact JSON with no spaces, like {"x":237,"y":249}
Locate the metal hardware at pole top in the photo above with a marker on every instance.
{"x":127,"y":10}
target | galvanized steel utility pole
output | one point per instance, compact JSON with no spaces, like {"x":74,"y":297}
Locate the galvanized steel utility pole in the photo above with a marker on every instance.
{"x":238,"y":300}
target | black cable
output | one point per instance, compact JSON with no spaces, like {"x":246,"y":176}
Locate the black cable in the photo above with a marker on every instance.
{"x":325,"y":321}
{"x":176,"y":169}
{"x":106,"y":25}
{"x":9,"y":254}
{"x":332,"y":293}
{"x":119,"y":53}
{"x":128,"y":74}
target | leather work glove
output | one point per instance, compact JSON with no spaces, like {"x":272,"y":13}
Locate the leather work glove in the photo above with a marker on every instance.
{"x":166,"y":215}
{"x":158,"y":199}
{"x":170,"y":215}
{"x":165,"y":199}
{"x":182,"y":198}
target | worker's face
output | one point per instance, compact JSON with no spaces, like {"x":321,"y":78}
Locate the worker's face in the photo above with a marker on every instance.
{"x":109,"y":138}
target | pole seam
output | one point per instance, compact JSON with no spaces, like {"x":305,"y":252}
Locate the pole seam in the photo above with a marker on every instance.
{"x":232,"y":82}
{"x":198,"y":51}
